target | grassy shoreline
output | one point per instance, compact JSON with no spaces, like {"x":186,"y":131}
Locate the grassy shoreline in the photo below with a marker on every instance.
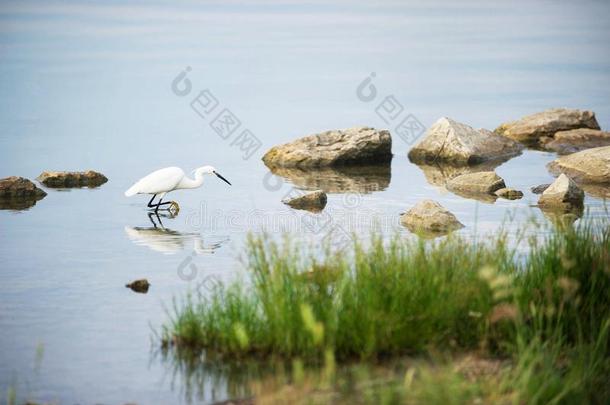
{"x":549,"y":313}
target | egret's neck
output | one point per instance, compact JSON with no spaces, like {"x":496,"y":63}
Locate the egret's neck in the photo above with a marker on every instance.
{"x":188,"y":183}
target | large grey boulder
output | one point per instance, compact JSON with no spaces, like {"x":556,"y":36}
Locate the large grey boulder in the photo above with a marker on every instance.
{"x":19,"y":193}
{"x":481,"y":182}
{"x":587,"y":166}
{"x":361,"y":145}
{"x":89,"y":178}
{"x":563,"y":193}
{"x":575,"y":140}
{"x":452,"y":142}
{"x":430,"y":219}
{"x":531,"y":128}
{"x":314,"y":201}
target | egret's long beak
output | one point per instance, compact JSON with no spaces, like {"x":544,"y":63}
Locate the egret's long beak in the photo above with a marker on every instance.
{"x":222,"y":178}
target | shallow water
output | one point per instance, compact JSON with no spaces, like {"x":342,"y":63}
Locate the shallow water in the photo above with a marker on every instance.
{"x":90,"y":86}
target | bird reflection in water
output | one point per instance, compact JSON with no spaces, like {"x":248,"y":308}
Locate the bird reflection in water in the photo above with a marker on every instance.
{"x":167,"y":241}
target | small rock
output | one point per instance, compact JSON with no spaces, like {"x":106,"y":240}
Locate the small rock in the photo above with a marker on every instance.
{"x":89,"y":178}
{"x":481,"y":182}
{"x":509,"y":193}
{"x":429,"y":217}
{"x":316,"y":200}
{"x":361,"y":145}
{"x":587,"y":166}
{"x":452,"y":142}
{"x":540,"y":188}
{"x":19,"y":193}
{"x":139,"y":286}
{"x":562,"y":193}
{"x":531,"y":128}
{"x":575,"y":140}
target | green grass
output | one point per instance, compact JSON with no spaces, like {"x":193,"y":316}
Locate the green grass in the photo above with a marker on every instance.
{"x":549,"y":312}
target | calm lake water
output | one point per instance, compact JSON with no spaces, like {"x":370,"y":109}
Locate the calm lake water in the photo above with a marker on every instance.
{"x":89,"y":86}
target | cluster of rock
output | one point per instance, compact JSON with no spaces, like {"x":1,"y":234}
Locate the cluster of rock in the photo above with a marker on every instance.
{"x":484,"y":186}
{"x":461,"y":159}
{"x":589,"y":168}
{"x":453,"y":155}
{"x":19,"y":193}
{"x":562,"y":194}
{"x":355,"y":159}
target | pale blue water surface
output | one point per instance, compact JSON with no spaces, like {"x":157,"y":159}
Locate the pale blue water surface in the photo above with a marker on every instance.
{"x":88,"y":85}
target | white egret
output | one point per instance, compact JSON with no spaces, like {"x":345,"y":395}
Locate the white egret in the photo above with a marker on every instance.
{"x":163,"y":181}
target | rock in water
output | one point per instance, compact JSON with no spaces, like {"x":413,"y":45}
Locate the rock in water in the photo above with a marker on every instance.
{"x":314,"y":201}
{"x":480,"y":182}
{"x":587,"y":166}
{"x":563,"y":193}
{"x":575,"y":140}
{"x":352,"y":146}
{"x":430,"y":218}
{"x":509,"y":193}
{"x":19,"y":187}
{"x":19,"y":193}
{"x":531,"y":128}
{"x":72,"y":179}
{"x":448,"y":141}
{"x":540,"y":188}
{"x":139,"y":286}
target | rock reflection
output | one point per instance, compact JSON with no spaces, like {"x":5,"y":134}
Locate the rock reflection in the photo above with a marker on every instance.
{"x":18,"y":204}
{"x":482,"y":197}
{"x":562,"y":218}
{"x":167,"y":241}
{"x":347,"y":179}
{"x":426,"y":234}
{"x":596,"y":190}
{"x":437,"y":174}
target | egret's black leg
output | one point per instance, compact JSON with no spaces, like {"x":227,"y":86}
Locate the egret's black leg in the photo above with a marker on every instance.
{"x":157,"y":205}
{"x":161,"y":203}
{"x":150,"y":205}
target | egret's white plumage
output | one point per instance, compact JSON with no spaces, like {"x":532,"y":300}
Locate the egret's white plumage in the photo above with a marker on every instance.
{"x":157,"y":182}
{"x":163,"y":181}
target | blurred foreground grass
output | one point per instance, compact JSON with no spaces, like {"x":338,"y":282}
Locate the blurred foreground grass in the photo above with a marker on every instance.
{"x":538,"y":323}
